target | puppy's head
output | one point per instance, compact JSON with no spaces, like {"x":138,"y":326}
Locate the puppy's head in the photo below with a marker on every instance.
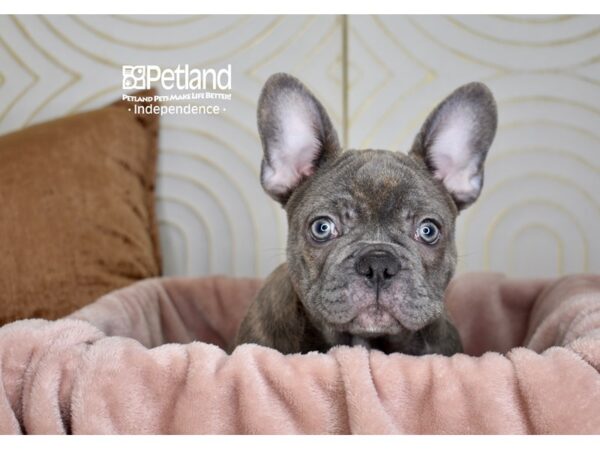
{"x":371,"y":232}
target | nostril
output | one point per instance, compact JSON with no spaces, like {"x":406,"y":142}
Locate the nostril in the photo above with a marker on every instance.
{"x":377,"y":266}
{"x":391,"y":270}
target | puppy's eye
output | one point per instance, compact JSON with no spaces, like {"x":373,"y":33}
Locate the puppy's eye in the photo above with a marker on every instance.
{"x":427,"y":232}
{"x":323,"y":229}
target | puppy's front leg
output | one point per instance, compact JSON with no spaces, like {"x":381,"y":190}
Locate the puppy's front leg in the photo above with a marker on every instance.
{"x":253,"y":329}
{"x":275,"y":316}
{"x":441,"y":337}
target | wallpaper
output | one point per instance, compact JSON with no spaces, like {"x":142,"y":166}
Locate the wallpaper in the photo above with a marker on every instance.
{"x":378,"y":77}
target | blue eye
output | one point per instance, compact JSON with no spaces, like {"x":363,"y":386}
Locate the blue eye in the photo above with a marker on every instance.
{"x":427,"y":232}
{"x":323,"y":229}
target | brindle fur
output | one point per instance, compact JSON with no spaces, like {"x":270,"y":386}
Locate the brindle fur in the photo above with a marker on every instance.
{"x":378,"y":197}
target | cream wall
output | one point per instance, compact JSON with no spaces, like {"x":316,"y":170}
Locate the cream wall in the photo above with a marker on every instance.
{"x":539,"y":213}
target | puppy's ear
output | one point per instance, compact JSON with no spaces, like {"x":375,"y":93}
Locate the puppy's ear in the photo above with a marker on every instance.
{"x":296,"y":133}
{"x":455,"y":139}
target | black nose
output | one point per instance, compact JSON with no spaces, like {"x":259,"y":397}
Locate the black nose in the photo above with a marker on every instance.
{"x":378,"y":266}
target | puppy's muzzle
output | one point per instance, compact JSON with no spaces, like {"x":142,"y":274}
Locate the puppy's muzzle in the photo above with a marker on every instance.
{"x":377,"y":266}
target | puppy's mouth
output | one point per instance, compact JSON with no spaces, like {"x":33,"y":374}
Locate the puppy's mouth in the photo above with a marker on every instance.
{"x":373,"y":321}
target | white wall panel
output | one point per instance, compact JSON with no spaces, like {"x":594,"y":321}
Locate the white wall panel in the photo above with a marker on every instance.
{"x":540,"y":208}
{"x":378,"y":76}
{"x":214,"y":216}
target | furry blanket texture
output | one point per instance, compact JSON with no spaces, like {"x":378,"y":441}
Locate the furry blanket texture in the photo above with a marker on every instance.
{"x":148,"y":359}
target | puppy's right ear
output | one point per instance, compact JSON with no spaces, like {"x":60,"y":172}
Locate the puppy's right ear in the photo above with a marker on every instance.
{"x":296,"y":134}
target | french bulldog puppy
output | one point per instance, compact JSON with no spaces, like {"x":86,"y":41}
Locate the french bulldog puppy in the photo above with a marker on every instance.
{"x":371,"y":232}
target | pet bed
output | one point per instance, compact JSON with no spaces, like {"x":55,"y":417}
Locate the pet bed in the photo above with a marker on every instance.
{"x":148,"y":359}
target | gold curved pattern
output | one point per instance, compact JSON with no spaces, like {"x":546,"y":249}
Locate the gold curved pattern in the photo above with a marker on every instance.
{"x":14,"y":55}
{"x":339,"y":70}
{"x":583,"y":78}
{"x":273,"y":206}
{"x":528,"y":176}
{"x":460,"y":54}
{"x":218,"y":201}
{"x":543,"y":151}
{"x":333,"y":68}
{"x":21,"y":93}
{"x":358,"y":77}
{"x":155,"y":23}
{"x":455,"y":62}
{"x":251,"y":71}
{"x":549,"y":99}
{"x":238,"y":154}
{"x":48,"y":99}
{"x":15,"y":100}
{"x":305,"y":61}
{"x":66,"y":95}
{"x":85,"y":101}
{"x":537,"y":21}
{"x":201,"y":221}
{"x":211,"y":163}
{"x":181,"y":232}
{"x":326,"y":37}
{"x":99,"y":59}
{"x":160,"y":47}
{"x":251,"y":132}
{"x":368,"y":100}
{"x":404,"y":49}
{"x":533,"y":225}
{"x":75,"y":76}
{"x":388,"y":113}
{"x":505,"y":212}
{"x":42,"y":50}
{"x":567,"y":73}
{"x":551,"y":124}
{"x":217,"y":140}
{"x":500,"y":68}
{"x":260,"y":36}
{"x":429,"y":77}
{"x":474,"y":210}
{"x":518,"y":43}
{"x":239,"y":190}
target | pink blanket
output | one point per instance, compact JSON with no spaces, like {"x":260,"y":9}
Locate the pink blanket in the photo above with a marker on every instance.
{"x":149,"y":359}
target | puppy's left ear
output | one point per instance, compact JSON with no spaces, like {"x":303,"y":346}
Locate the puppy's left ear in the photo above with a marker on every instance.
{"x":455,"y":139}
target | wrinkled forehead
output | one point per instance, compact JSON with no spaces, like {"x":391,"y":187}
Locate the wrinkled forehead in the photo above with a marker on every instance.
{"x":381,"y":185}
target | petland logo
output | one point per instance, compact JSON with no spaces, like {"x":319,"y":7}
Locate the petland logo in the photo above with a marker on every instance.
{"x":181,"y":78}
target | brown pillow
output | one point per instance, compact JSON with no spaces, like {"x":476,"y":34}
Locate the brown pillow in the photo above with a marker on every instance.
{"x":76,"y":210}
